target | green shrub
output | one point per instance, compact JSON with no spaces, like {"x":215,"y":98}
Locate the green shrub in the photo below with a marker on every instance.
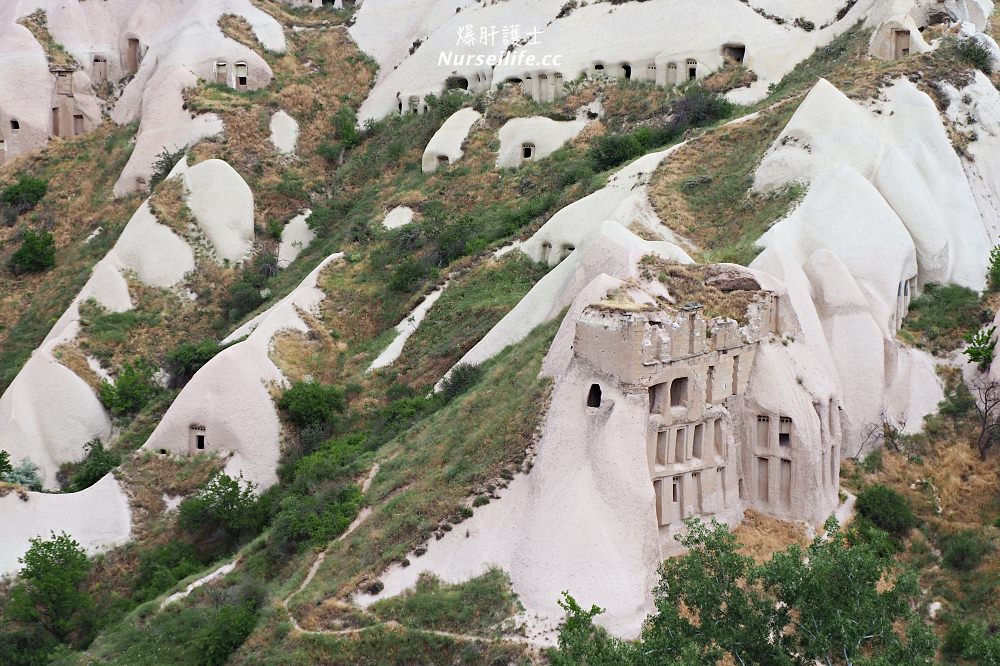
{"x":163,"y":165}
{"x":980,"y":349}
{"x":958,"y":401}
{"x":242,"y":298}
{"x":959,"y":637}
{"x":345,"y":124}
{"x":25,"y":193}
{"x":5,"y":466}
{"x":408,"y":274}
{"x":964,"y":550}
{"x":187,"y":358}
{"x":886,"y":508}
{"x":314,"y":519}
{"x":133,"y":389}
{"x":162,"y":567}
{"x":610,"y":150}
{"x":98,"y":462}
{"x":993,"y":274}
{"x":25,"y":474}
{"x":225,"y":510}
{"x":462,"y":377}
{"x":975,"y":54}
{"x":226,"y":632}
{"x":477,"y":605}
{"x":699,"y":106}
{"x":310,"y":403}
{"x":36,"y":254}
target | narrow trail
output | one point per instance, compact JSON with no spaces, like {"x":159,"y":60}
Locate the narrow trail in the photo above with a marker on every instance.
{"x":388,"y":624}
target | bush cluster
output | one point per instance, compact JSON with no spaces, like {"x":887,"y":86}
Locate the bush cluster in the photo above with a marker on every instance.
{"x":25,"y":193}
{"x":964,"y":550}
{"x":187,"y":358}
{"x":887,"y":509}
{"x":696,"y":108}
{"x":133,"y":389}
{"x":37,"y":253}
{"x":312,"y":403}
{"x":223,"y":513}
{"x":97,"y":462}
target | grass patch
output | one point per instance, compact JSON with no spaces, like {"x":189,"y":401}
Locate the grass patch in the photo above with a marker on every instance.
{"x":941,"y":316}
{"x":429,"y":471}
{"x":467,"y":310}
{"x":477,"y":606}
{"x":380,"y":645}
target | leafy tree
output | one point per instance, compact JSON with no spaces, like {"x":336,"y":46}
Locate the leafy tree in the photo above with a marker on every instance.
{"x":886,"y":508}
{"x":133,"y":389}
{"x":36,"y":254}
{"x":225,"y":510}
{"x":980,"y":349}
{"x":50,"y":592}
{"x":5,"y":466}
{"x":98,"y":462}
{"x":839,"y":614}
{"x":821,"y":604}
{"x":311,"y":403}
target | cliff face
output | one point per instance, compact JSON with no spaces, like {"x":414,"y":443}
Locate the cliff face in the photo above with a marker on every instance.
{"x":456,"y":293}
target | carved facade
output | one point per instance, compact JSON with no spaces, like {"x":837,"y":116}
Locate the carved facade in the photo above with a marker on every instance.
{"x":711,"y":450}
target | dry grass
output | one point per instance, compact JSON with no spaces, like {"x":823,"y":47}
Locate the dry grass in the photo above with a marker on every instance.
{"x":75,"y":207}
{"x":761,"y":536}
{"x":146,"y":477}
{"x":686,"y":283}
{"x":71,"y":356}
{"x":38,"y":23}
{"x":301,"y":16}
{"x":730,"y":77}
{"x":239,"y":29}
{"x":169,"y":205}
{"x":313,"y":354}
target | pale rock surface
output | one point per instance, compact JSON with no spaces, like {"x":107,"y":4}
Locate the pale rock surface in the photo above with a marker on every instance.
{"x":904,"y":152}
{"x":98,"y":518}
{"x":405,"y":329}
{"x":230,"y":398}
{"x":672,"y":31}
{"x":222,"y":203}
{"x":295,"y":237}
{"x":284,"y":132}
{"x":544,"y":134}
{"x":625,"y":199}
{"x":447,"y":141}
{"x":155,"y":255}
{"x":398,"y":217}
{"x":611,"y":249}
